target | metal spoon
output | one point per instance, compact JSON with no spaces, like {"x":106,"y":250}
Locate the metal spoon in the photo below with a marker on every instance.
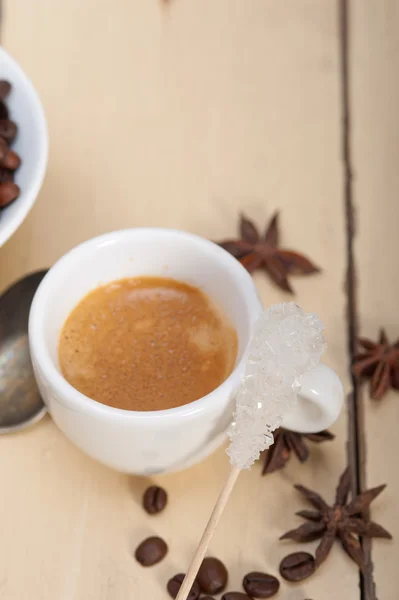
{"x":20,"y":401}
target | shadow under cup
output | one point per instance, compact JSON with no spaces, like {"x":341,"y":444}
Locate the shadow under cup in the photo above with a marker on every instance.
{"x":129,"y":441}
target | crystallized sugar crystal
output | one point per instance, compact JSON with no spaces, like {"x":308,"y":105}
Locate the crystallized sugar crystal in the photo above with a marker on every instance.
{"x":286,"y":343}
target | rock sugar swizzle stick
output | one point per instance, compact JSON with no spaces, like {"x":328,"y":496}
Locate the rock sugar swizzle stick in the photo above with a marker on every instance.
{"x":285,"y":344}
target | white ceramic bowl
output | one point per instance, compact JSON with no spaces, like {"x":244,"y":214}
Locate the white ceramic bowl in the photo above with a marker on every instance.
{"x":31,"y":143}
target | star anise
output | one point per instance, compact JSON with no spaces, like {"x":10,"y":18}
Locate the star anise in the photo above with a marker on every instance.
{"x":286,"y":442}
{"x":380,"y":362}
{"x":255,"y":251}
{"x":343,"y":520}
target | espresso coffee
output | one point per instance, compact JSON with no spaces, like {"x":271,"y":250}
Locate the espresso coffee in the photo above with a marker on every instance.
{"x":147,"y":343}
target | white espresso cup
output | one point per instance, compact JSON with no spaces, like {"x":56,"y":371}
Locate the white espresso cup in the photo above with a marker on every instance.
{"x":165,"y":440}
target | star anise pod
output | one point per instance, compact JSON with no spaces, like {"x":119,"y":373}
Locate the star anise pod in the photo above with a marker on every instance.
{"x":344,"y":520}
{"x":286,"y":442}
{"x":255,"y":251}
{"x":378,"y":361}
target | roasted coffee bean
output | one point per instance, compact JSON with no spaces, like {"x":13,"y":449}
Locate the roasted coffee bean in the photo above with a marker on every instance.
{"x":4,"y":149}
{"x":260,"y":585}
{"x":174,"y":586}
{"x":154,"y":500}
{"x":10,"y":161}
{"x":5,"y":89}
{"x":6,"y":175}
{"x":8,"y":130}
{"x":235,"y":596}
{"x":3,"y":110}
{"x":297,"y":566}
{"x":9,"y":191}
{"x":212,"y":576}
{"x":151,"y":551}
{"x":207,"y":598}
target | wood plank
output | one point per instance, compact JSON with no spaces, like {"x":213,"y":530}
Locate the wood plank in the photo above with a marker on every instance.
{"x":177,"y":114}
{"x":375,"y":144}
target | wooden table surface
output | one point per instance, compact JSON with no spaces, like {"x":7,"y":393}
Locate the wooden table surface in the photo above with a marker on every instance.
{"x":181,"y":114}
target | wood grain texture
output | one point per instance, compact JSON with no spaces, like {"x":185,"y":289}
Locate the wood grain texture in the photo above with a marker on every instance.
{"x":375,"y":144}
{"x":178,"y":115}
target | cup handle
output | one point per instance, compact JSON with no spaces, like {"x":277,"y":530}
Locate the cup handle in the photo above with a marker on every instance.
{"x":319,"y":401}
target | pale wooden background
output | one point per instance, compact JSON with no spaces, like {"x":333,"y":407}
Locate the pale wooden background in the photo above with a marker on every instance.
{"x":181,"y":114}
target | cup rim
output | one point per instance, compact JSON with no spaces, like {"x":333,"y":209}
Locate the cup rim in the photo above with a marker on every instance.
{"x":41,"y":355}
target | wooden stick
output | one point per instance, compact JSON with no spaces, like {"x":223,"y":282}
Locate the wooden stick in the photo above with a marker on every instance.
{"x":208,"y":533}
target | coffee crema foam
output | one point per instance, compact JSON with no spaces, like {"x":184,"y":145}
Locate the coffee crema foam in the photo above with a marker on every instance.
{"x":147,"y":343}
